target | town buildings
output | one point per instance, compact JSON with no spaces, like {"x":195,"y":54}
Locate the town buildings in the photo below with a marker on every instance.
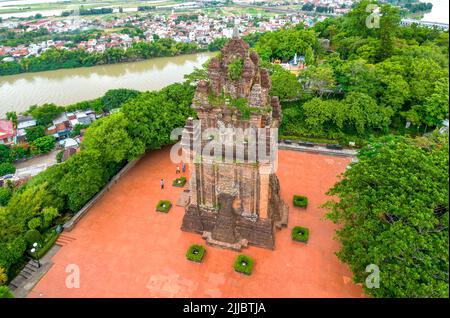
{"x":201,"y":29}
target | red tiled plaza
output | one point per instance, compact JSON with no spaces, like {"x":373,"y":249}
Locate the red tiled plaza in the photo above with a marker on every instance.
{"x":125,"y":249}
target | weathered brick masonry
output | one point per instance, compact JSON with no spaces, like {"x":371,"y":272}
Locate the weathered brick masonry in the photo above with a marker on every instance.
{"x":235,"y":203}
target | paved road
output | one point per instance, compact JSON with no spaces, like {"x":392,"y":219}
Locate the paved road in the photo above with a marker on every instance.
{"x":34,"y":166}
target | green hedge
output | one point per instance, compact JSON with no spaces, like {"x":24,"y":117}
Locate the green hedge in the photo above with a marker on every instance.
{"x":5,"y":292}
{"x":50,"y":240}
{"x":300,"y":234}
{"x":163,"y":206}
{"x":47,"y":245}
{"x":244,"y":264}
{"x":300,"y":201}
{"x":196,"y":253}
{"x":179,"y":182}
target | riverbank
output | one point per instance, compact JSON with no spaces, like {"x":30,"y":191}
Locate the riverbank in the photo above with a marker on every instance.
{"x":69,"y":86}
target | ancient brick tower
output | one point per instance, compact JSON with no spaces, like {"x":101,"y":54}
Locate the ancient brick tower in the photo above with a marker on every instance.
{"x":234,"y":202}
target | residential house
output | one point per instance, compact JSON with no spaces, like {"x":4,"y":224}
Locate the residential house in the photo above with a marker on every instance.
{"x":7,"y":132}
{"x":61,"y":126}
{"x":24,"y":122}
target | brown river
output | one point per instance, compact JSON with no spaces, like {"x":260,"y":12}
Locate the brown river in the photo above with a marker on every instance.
{"x":67,"y":86}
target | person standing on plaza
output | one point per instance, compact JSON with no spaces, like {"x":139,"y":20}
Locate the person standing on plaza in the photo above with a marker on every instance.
{"x":162,"y":184}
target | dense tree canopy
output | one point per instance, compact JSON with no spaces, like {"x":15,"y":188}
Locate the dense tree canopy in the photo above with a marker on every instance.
{"x":400,"y":73}
{"x":116,"y":97}
{"x":35,"y":132}
{"x":53,"y":59}
{"x":144,"y":121}
{"x":45,"y":114}
{"x":284,"y":44}
{"x":393,"y":210}
{"x":5,"y":154}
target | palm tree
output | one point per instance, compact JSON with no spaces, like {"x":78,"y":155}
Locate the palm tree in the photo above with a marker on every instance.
{"x":12,"y":116}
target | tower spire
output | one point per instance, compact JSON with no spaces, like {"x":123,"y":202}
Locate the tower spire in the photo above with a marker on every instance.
{"x":236,"y":32}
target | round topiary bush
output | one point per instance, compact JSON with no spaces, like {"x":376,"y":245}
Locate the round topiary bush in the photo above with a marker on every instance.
{"x":33,"y":236}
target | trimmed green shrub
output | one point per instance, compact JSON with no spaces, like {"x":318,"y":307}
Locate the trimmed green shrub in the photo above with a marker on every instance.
{"x":300,"y":234}
{"x":163,"y":206}
{"x":33,"y":236}
{"x":5,"y":292}
{"x":196,"y":253}
{"x":300,"y":201}
{"x":243,"y":264}
{"x":179,"y":182}
{"x":48,"y":244}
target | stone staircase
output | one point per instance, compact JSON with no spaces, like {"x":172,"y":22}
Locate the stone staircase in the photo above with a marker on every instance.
{"x":27,"y":272}
{"x":64,"y":239}
{"x":22,"y":284}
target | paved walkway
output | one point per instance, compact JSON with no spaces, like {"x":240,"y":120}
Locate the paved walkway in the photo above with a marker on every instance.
{"x":125,"y":249}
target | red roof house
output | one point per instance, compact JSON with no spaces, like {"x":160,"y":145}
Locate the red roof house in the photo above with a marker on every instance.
{"x":7,"y":132}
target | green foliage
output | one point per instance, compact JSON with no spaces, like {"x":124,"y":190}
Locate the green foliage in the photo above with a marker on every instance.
{"x":284,"y":84}
{"x":116,"y":97}
{"x":59,"y":156}
{"x":7,"y":168}
{"x":5,"y":154}
{"x":54,"y":58}
{"x":393,"y":212}
{"x":109,"y":136}
{"x":85,"y":175}
{"x":35,"y":132}
{"x":5,"y":195}
{"x":371,"y":81}
{"x":244,"y":264}
{"x":319,"y":80}
{"x":179,"y":182}
{"x":300,"y":234}
{"x":34,"y":223}
{"x":32,"y":236}
{"x":12,"y":116}
{"x":23,"y":206}
{"x":285,"y":43}
{"x":300,"y":201}
{"x":3,"y":276}
{"x":165,"y":110}
{"x":45,"y":114}
{"x":47,"y":245}
{"x":44,"y":144}
{"x":5,"y":292}
{"x":76,"y":131}
{"x":217,"y":44}
{"x":235,"y":69}
{"x":196,"y":253}
{"x":163,"y":206}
